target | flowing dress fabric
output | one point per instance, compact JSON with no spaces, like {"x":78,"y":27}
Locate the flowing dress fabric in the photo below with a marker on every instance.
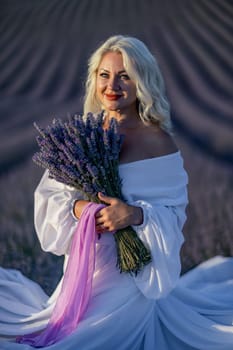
{"x":76,"y":287}
{"x":158,"y":309}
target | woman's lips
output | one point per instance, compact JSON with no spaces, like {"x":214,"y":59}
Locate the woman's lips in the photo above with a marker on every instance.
{"x":113,"y":97}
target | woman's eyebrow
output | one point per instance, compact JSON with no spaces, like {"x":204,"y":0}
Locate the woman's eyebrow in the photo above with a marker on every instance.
{"x":107,"y":71}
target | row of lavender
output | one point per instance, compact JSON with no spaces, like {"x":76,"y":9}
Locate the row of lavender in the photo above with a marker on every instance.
{"x":44,"y":48}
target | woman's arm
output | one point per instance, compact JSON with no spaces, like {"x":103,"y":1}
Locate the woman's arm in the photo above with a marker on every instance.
{"x":161,"y":232}
{"x":53,"y":214}
{"x":58,"y":208}
{"x":78,"y":207}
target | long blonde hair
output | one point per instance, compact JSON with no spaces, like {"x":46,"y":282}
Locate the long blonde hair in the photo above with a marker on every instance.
{"x":143,"y":70}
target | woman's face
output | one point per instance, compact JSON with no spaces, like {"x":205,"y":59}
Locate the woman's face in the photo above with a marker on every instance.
{"x":114,"y":89}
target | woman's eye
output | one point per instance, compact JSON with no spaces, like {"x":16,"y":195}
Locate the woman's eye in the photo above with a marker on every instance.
{"x":104,"y":75}
{"x":124,"y":77}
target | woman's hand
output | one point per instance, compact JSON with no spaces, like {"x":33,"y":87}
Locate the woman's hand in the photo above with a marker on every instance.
{"x":116,"y":215}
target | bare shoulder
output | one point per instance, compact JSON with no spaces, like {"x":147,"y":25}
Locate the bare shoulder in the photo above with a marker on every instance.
{"x":146,"y":142}
{"x":159,"y":141}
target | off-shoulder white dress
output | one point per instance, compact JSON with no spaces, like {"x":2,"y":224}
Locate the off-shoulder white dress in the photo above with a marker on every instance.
{"x":158,"y":309}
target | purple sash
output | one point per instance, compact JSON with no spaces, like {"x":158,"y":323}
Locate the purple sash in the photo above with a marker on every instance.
{"x":76,"y":287}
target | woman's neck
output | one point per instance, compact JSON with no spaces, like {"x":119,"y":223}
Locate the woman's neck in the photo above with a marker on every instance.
{"x":125,"y":120}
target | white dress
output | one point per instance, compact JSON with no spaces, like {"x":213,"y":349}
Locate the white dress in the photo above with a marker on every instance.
{"x":158,"y":309}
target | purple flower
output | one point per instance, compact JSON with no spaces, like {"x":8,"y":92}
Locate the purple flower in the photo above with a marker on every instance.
{"x":80,"y":153}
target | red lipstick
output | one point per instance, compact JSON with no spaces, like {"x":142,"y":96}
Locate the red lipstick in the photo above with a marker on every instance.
{"x":113,"y":97}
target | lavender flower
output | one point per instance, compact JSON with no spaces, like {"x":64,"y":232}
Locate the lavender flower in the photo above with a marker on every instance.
{"x":81,"y":154}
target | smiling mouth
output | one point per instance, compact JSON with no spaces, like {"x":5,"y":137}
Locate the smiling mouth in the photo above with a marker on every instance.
{"x":113,"y":97}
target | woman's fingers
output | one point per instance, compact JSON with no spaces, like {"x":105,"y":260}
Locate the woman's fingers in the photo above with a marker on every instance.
{"x":115,"y":215}
{"x":101,"y":229}
{"x":106,"y":199}
{"x":99,"y":220}
{"x":99,"y":223}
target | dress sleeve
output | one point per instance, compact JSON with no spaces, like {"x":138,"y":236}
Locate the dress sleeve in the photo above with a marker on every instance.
{"x":53,"y":208}
{"x":161,"y":232}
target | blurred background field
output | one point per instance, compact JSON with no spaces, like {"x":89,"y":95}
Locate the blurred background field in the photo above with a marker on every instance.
{"x":44,"y":48}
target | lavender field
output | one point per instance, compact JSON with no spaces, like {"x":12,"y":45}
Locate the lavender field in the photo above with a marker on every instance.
{"x":43,"y":51}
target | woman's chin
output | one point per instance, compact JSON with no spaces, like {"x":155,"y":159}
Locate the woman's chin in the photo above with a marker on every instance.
{"x":112,"y":109}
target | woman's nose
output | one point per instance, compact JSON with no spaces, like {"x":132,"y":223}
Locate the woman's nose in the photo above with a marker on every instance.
{"x":113,"y":83}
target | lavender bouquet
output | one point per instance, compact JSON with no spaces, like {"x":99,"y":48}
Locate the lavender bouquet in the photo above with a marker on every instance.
{"x":80,"y":153}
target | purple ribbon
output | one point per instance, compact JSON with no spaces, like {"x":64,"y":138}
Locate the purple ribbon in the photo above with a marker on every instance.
{"x":76,"y":287}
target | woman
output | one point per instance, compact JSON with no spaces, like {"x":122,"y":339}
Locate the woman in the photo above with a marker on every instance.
{"x":155,"y":309}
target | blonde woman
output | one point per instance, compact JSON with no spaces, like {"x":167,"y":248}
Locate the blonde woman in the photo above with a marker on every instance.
{"x":155,"y":309}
